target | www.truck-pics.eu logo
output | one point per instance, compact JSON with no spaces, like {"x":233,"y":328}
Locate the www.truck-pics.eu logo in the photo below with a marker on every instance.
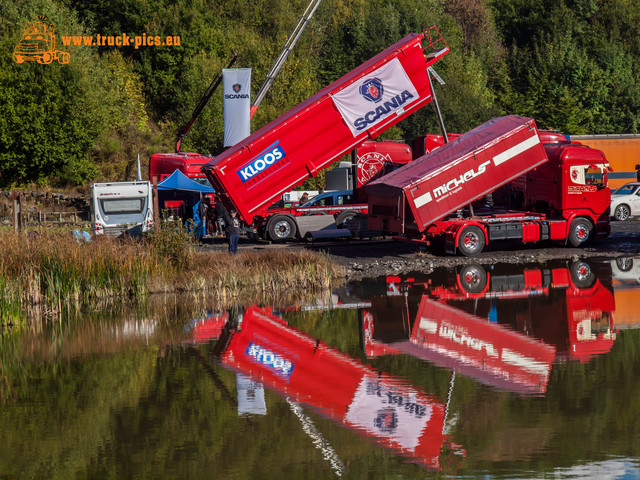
{"x":38,"y":43}
{"x":272,"y":155}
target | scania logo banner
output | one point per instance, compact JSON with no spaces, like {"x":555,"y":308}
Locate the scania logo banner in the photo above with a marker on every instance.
{"x":384,"y":92}
{"x":237,"y":104}
{"x":372,"y":90}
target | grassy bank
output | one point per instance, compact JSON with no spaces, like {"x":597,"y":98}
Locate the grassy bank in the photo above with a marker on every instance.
{"x":49,"y":273}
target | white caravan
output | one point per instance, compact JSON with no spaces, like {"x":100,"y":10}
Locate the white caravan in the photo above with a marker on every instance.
{"x":122,"y":208}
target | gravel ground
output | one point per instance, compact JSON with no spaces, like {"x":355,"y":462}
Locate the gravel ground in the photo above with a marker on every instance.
{"x":374,"y":258}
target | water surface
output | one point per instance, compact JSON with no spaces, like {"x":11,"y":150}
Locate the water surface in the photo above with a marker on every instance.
{"x":479,"y":372}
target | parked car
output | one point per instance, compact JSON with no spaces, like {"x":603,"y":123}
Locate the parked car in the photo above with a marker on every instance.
{"x":625,"y":201}
{"x":339,"y":197}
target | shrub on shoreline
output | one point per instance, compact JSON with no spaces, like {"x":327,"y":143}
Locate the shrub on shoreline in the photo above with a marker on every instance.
{"x":54,"y":272}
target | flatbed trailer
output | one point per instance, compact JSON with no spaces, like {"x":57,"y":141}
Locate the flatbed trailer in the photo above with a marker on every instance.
{"x":551,"y":189}
{"x":254,"y":173}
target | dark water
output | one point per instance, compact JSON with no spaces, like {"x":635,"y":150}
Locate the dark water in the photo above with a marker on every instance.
{"x":481,"y":372}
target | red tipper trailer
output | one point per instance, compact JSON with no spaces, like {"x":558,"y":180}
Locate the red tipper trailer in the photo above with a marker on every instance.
{"x":253,"y":174}
{"x":447,"y":179}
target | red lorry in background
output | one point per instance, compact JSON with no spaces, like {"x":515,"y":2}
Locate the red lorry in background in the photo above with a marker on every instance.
{"x":162,"y":165}
{"x":552,"y":190}
{"x":254,"y":174}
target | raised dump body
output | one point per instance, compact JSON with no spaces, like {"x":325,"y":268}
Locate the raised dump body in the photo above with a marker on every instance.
{"x":254,"y":173}
{"x":437,"y":184}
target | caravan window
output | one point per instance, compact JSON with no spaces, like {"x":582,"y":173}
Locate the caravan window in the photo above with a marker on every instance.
{"x":122,"y":205}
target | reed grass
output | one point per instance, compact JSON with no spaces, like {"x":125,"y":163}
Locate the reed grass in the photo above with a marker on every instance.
{"x":52,"y":272}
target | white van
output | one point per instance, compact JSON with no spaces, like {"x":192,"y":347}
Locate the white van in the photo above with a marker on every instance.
{"x":122,"y":208}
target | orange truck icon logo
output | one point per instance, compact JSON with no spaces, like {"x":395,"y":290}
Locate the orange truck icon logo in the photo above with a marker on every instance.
{"x":38,"y":43}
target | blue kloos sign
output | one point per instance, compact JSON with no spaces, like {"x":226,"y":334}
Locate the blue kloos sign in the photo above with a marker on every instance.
{"x":271,"y":360}
{"x":272,"y":155}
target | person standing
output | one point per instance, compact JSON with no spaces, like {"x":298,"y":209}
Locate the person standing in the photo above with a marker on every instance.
{"x":233,"y":230}
{"x":220,"y":213}
{"x":637,"y":172}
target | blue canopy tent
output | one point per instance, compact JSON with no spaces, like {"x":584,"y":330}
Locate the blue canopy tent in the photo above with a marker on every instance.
{"x":179,"y":181}
{"x":179,"y":187}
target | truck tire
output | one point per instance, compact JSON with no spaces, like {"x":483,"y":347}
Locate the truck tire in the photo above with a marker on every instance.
{"x":582,"y":274}
{"x":471,"y":241}
{"x":344,"y":217}
{"x":282,"y":228}
{"x":473,"y":278}
{"x":580,"y":232}
{"x":46,"y":58}
{"x":622,"y":213}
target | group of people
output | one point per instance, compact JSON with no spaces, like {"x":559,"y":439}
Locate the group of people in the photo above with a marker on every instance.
{"x":221,"y":221}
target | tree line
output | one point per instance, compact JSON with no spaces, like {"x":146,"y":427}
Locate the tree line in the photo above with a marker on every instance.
{"x":571,"y":65}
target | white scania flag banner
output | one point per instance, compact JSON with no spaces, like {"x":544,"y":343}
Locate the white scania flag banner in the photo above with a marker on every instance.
{"x":237,"y":103}
{"x":374,"y":98}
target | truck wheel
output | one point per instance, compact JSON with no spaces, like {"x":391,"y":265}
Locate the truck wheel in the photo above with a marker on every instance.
{"x":582,"y":274}
{"x":471,"y":241}
{"x":46,"y":58}
{"x":622,"y":213}
{"x":473,"y":278}
{"x":282,"y":228}
{"x":344,"y":217}
{"x":18,"y":58}
{"x":580,"y":232}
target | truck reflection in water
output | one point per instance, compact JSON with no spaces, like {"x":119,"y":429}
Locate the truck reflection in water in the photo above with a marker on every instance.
{"x":261,"y":346}
{"x":305,"y":370}
{"x":503,"y":326}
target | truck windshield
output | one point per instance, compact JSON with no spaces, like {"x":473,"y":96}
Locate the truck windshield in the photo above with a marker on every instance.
{"x":122,"y":205}
{"x":588,"y":175}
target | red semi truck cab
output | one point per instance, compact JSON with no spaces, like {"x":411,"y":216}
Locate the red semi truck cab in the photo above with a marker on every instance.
{"x":573,"y":183}
{"x":161,"y":165}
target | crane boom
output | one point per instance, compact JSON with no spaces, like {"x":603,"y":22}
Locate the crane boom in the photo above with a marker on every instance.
{"x":288,"y":47}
